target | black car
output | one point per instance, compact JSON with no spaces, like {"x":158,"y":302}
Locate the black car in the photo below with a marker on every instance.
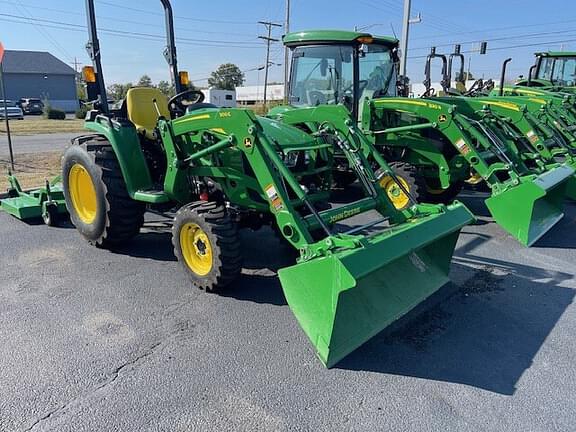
{"x":31,"y":105}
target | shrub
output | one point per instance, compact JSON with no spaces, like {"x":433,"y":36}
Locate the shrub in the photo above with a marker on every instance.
{"x":81,"y":112}
{"x":54,"y":114}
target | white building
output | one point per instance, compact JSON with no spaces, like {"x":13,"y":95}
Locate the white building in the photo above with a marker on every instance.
{"x":220,"y":98}
{"x":252,"y":95}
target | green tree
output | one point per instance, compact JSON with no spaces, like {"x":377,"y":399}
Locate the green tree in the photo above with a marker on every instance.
{"x":118,"y":91}
{"x":227,"y":77}
{"x":145,"y":81}
{"x":166,"y":88}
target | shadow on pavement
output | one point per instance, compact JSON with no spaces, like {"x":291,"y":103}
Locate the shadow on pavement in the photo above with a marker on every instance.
{"x":483,"y":333}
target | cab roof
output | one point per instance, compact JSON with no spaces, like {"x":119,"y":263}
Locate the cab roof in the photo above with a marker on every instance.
{"x":311,"y":37}
{"x":557,"y":54}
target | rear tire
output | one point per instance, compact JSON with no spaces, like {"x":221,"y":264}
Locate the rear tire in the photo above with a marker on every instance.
{"x":207,"y":245}
{"x":96,"y":195}
{"x":445,"y":196}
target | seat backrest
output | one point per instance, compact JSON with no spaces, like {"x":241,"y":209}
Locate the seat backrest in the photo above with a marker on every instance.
{"x":141,"y":109}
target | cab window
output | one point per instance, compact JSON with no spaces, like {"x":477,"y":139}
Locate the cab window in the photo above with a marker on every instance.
{"x":377,"y":71}
{"x":321,"y":75}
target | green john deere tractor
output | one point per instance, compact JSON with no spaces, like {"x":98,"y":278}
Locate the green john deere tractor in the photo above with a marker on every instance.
{"x":432,"y":146}
{"x":554,"y":71}
{"x":225,"y":169}
{"x":532,"y":128}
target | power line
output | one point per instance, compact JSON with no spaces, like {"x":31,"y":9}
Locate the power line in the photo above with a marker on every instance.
{"x":139,"y":23}
{"x":519,"y":36}
{"x":45,"y":33}
{"x":137,"y":35}
{"x":149,"y":12}
{"x":510,"y":47}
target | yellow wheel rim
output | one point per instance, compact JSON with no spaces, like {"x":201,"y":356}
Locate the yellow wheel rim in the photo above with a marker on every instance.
{"x":82,"y":193}
{"x":398,"y":198}
{"x":196,"y":249}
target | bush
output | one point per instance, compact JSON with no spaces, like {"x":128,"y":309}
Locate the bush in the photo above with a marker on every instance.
{"x":55,"y":114}
{"x":81,"y":112}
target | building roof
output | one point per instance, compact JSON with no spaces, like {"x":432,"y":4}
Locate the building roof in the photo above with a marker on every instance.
{"x":34,"y":62}
{"x":335,"y":36}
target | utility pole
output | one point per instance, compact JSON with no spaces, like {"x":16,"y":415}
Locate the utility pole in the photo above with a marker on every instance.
{"x":286,"y":54}
{"x":3,"y":88}
{"x":405,"y":33}
{"x":269,"y":39}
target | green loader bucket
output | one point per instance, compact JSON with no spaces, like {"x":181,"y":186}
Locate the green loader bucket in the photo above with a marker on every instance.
{"x":531,"y":209}
{"x":344,"y":299}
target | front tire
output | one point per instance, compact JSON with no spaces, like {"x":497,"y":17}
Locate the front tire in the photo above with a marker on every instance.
{"x":207,"y":245}
{"x":411,"y":180}
{"x":96,"y":195}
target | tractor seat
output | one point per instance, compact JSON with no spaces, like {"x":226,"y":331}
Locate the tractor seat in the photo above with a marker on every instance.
{"x":142,"y":111}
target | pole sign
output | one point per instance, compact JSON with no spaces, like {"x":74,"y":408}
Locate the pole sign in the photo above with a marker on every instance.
{"x":3,"y":89}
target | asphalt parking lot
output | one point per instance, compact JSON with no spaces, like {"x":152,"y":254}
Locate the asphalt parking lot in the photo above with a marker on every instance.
{"x":101,"y":341}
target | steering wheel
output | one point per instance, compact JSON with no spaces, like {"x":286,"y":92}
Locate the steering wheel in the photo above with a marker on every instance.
{"x":179,"y":103}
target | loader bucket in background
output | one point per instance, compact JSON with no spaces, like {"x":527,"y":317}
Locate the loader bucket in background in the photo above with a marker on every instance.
{"x":531,"y":209}
{"x":344,"y":299}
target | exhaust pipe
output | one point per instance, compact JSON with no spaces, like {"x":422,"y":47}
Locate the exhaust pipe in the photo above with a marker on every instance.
{"x":503,"y":75}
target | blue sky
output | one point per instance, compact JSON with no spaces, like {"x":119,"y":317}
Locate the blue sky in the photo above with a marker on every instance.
{"x":211,"y":33}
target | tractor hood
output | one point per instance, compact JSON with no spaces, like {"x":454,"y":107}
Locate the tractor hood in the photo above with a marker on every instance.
{"x":285,"y":136}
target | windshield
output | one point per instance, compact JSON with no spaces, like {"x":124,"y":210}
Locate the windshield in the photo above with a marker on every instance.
{"x":377,"y":72}
{"x":321,"y":75}
{"x":560,"y":71}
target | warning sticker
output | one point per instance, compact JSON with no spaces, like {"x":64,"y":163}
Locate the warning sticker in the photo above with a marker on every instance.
{"x":275,"y":200}
{"x":462,"y":146}
{"x":532,"y":137}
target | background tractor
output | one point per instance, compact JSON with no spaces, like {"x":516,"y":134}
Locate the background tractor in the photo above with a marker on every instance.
{"x":432,"y":146}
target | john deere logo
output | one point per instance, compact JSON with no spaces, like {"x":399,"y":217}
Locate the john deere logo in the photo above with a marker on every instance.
{"x":442,"y":118}
{"x":247,"y":143}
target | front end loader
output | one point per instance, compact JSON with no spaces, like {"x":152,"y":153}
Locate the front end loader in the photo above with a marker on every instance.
{"x":433,"y":147}
{"x":226,"y":169}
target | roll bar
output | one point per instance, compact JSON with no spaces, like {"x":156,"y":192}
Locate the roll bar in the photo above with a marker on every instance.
{"x":428,"y":70}
{"x":93,"y":48}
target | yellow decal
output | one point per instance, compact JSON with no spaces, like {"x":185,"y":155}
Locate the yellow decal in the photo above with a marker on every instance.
{"x":408,"y":102}
{"x":507,"y":105}
{"x":218,"y":130}
{"x":442,"y":118}
{"x":248,"y":143}
{"x":224,"y":114}
{"x":345,"y":215}
{"x":198,"y":117}
{"x":540,"y":101}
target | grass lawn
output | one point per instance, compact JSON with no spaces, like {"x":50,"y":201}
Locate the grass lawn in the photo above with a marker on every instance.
{"x":39,"y":125}
{"x":30,"y":169}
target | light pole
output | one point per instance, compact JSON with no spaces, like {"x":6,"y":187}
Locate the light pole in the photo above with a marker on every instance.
{"x":405,"y":32}
{"x":286,"y":53}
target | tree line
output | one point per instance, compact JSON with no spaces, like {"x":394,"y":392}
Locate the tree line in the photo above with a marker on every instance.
{"x":228,"y":76}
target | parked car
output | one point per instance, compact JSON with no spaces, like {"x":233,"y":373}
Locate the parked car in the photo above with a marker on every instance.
{"x":31,"y":105}
{"x":14,"y":112}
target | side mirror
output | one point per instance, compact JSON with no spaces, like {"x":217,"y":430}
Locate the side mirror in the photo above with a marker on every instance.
{"x":323,"y":67}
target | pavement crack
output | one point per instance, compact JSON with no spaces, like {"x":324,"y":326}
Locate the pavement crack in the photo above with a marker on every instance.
{"x":112,"y":378}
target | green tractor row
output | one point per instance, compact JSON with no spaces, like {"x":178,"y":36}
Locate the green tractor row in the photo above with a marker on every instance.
{"x":435,"y":145}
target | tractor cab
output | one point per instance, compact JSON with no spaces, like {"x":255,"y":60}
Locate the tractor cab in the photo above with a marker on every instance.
{"x":552,"y":69}
{"x":341,"y":67}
